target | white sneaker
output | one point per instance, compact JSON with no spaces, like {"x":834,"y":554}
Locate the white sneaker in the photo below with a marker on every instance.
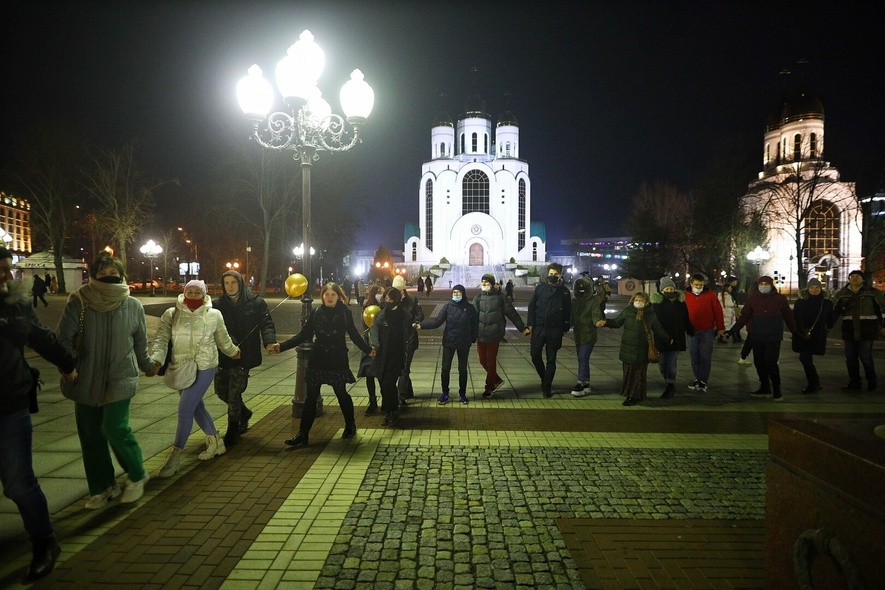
{"x":99,"y":500}
{"x":134,"y":490}
{"x":695,"y":385}
{"x":580,"y":390}
{"x":214,"y":447}
{"x":746,"y":362}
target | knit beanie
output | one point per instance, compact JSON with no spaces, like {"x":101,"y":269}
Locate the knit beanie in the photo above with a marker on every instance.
{"x":814,"y":283}
{"x":398,"y":283}
{"x":667,"y":282}
{"x":463,"y":291}
{"x":765,"y":279}
{"x":198,"y":284}
{"x":489,"y":277}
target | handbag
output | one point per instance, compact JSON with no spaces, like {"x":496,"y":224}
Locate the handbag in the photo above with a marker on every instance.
{"x":801,"y":341}
{"x":653,"y":355}
{"x":77,"y":340}
{"x":181,"y":375}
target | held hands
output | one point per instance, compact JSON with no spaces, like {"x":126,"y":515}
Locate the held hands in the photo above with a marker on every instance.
{"x":373,"y":352}
{"x":237,"y":355}
{"x":527,"y":331}
{"x":152,"y":370}
{"x":69,"y":377}
{"x":600,"y":324}
{"x":416,"y":325}
{"x":724,"y":333}
{"x":273,"y":348}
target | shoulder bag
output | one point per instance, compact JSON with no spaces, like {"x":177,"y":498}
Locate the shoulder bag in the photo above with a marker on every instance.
{"x":653,"y":355}
{"x":183,"y":374}
{"x":77,"y":340}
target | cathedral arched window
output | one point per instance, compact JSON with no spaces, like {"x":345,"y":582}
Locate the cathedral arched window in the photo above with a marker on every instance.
{"x":521,"y":216}
{"x":534,"y":251}
{"x":813,"y":145}
{"x":797,"y":147}
{"x":767,"y":153}
{"x":822,"y":232}
{"x":462,"y":143}
{"x":485,"y":143}
{"x":474,"y":143}
{"x":475,"y":193}
{"x":414,"y":251}
{"x":428,"y":214}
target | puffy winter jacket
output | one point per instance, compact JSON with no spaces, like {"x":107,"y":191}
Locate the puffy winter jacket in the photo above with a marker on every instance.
{"x":861,"y":313}
{"x":493,"y":310}
{"x":768,"y":312}
{"x":249,"y":324}
{"x":634,"y":340}
{"x":195,"y":335}
{"x":585,"y":312}
{"x":673,"y":315}
{"x":462,"y":324}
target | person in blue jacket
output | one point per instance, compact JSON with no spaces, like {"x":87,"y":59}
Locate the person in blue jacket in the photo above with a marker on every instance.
{"x":462,"y":328}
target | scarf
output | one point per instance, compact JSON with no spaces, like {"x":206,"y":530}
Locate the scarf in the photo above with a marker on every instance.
{"x":100,"y":296}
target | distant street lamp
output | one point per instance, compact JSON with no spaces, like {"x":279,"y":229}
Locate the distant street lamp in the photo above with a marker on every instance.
{"x":233,"y":266}
{"x":757,"y":257}
{"x":307,"y":126}
{"x":151,"y":250}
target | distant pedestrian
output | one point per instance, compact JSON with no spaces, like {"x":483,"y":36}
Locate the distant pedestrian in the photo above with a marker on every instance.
{"x":508,"y":290}
{"x":493,"y":310}
{"x":460,"y":332}
{"x":360,"y":291}
{"x":861,"y":313}
{"x":419,"y":286}
{"x":346,"y":286}
{"x":38,"y":290}
{"x":603,"y":292}
{"x":769,"y":311}
{"x":550,"y":310}
{"x":53,"y":286}
{"x":428,"y":285}
{"x":328,"y":364}
{"x":726,"y":300}
{"x":814,"y":318}
{"x":585,"y":315}
{"x":640,"y":324}
{"x":670,"y":309}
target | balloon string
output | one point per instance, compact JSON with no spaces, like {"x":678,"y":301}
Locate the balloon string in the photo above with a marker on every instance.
{"x":266,"y":314}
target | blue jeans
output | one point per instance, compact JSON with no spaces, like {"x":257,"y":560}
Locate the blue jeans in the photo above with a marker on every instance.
{"x":584,"y":352}
{"x":191,"y":407}
{"x":667,"y":365}
{"x":701,"y":350}
{"x":17,"y":475}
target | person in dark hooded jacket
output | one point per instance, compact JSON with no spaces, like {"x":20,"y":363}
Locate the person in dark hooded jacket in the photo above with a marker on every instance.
{"x":493,"y":310}
{"x":550,"y":311}
{"x":670,"y":309}
{"x":586,"y":312}
{"x":814,"y":318}
{"x":389,"y":337}
{"x":249,"y":324}
{"x":462,"y":326}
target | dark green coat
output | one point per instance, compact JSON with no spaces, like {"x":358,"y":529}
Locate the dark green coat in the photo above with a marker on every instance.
{"x":634,"y":341}
{"x":585,"y":313}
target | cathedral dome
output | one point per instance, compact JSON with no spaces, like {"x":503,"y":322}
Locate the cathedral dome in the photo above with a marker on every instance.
{"x":443,"y":120}
{"x":804,"y":106}
{"x":507,"y":118}
{"x":475,"y":107}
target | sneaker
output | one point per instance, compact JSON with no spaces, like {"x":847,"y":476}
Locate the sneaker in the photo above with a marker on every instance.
{"x":463,"y":399}
{"x":393,"y":419}
{"x":547,"y":390}
{"x":386,"y":420}
{"x":498,"y":385}
{"x":134,"y":490}
{"x":761,"y":393}
{"x":744,"y":362}
{"x":777,"y":397}
{"x":702,"y":387}
{"x":101,"y":499}
{"x":372,"y":409}
{"x":580,"y":389}
{"x":694,"y":385}
{"x":443,"y":399}
{"x":487,"y":393}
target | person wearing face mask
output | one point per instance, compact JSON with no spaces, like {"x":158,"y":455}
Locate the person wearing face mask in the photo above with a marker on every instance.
{"x":550,"y":310}
{"x":375,"y":296}
{"x":586,"y":312}
{"x":861,"y":313}
{"x":416,"y":314}
{"x":389,"y":337}
{"x":705,"y":314}
{"x":637,"y":319}
{"x":669,"y":307}
{"x":105,"y":327}
{"x":20,"y":327}
{"x":493,"y":310}
{"x":814,"y":318}
{"x":197,"y":332}
{"x":768,"y":310}
{"x":462,"y":327}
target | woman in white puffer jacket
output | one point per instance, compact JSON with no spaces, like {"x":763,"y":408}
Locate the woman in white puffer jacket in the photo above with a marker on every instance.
{"x":197,"y":332}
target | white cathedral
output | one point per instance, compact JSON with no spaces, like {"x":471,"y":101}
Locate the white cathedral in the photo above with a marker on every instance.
{"x":475,"y":195}
{"x":800,"y":195}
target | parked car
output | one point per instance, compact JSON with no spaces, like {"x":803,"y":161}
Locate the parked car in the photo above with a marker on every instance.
{"x":145,"y":286}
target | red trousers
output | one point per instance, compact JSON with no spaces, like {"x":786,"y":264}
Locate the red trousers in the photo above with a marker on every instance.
{"x":488,"y":358}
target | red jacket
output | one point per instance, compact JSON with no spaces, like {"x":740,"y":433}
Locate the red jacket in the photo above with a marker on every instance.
{"x":704,"y":310}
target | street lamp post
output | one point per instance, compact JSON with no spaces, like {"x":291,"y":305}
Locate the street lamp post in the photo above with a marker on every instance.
{"x":757,"y":256}
{"x":307,"y":127}
{"x":151,"y":250}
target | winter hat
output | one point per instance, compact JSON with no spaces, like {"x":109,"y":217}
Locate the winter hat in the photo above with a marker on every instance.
{"x":489,"y":277}
{"x":399,"y":282}
{"x":814,"y":283}
{"x":667,"y":282}
{"x":855,"y":272}
{"x":463,"y":291}
{"x":765,"y":279}
{"x":198,"y":284}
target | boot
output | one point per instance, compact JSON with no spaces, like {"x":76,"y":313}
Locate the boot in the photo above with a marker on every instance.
{"x":373,"y":406}
{"x":45,"y":555}
{"x":669,"y":391}
{"x":349,"y":430}
{"x":214,"y":447}
{"x":245,"y":416}
{"x":171,"y":466}
{"x":319,"y":407}
{"x":232,"y":436}
{"x":299,"y":440}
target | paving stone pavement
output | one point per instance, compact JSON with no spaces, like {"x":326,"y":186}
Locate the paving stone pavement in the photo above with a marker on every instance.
{"x":492,"y":494}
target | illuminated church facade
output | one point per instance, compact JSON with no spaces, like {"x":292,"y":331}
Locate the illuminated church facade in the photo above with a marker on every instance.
{"x":475,"y":194}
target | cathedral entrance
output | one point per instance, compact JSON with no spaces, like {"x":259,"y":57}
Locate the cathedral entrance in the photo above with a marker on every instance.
{"x":475,"y":258}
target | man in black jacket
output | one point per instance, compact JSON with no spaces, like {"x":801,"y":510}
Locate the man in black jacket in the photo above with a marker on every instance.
{"x":550,"y":310}
{"x":413,"y":307}
{"x":249,"y":323}
{"x":20,"y":326}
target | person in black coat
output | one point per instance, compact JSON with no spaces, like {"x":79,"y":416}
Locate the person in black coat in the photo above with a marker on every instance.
{"x":249,"y":324}
{"x":462,"y":326}
{"x":328,"y":364}
{"x":670,"y":309}
{"x":550,"y":310}
{"x":38,"y":290}
{"x":20,"y":326}
{"x":814,"y":318}
{"x":389,"y":338}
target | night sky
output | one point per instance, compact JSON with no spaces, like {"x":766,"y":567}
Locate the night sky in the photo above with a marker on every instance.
{"x":607,"y":94}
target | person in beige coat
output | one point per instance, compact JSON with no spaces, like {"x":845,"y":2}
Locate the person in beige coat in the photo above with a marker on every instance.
{"x":197,"y":332}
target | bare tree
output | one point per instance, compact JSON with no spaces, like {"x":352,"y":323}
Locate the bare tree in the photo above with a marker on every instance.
{"x":124,"y":192}
{"x":47,"y":174}
{"x":169,"y":242}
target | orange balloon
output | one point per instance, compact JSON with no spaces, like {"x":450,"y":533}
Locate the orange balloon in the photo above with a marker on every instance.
{"x":369,"y":314}
{"x":296,"y":285}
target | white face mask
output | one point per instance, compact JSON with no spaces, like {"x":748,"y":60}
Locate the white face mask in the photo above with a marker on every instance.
{"x":486,"y":288}
{"x":456,"y":298}
{"x":639,"y":304}
{"x":765,"y":289}
{"x":379,"y":297}
{"x":697,"y":291}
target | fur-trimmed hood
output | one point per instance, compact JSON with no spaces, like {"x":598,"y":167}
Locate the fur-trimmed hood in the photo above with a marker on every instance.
{"x":657,"y":297}
{"x":803,"y":294}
